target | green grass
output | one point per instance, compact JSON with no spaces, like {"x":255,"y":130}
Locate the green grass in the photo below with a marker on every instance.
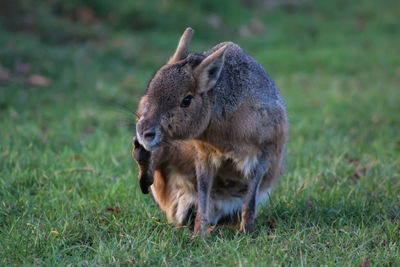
{"x":68,"y":185}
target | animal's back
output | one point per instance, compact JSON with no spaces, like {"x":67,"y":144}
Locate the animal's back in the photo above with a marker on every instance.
{"x":243,"y":79}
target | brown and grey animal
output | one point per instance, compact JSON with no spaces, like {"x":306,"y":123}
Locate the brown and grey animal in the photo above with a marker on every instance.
{"x":210,"y":136}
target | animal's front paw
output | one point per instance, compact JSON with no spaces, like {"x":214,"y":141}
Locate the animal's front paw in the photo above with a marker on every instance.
{"x":143,"y":158}
{"x":145,"y":182}
{"x":139,"y":153}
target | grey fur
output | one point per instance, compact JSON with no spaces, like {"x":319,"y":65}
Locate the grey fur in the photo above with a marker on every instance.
{"x":233,"y":132}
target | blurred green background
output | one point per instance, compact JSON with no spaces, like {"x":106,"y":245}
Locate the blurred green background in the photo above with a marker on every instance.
{"x":72,"y":72}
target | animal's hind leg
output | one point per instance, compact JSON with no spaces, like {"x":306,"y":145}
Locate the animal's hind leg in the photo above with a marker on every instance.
{"x":250,"y":201}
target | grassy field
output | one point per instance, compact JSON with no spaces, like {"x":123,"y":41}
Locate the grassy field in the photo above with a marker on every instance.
{"x":68,"y":185}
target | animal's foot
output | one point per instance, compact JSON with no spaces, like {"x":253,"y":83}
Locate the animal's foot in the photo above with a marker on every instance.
{"x":199,"y":226}
{"x":209,"y":230}
{"x":246,"y":228}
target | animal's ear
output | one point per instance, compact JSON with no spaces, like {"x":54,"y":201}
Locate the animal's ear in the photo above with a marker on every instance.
{"x":207,"y":73}
{"x":181,"y":50}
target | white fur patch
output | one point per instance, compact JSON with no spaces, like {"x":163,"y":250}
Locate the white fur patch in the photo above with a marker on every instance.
{"x":139,"y":139}
{"x":215,"y":160}
{"x":246,"y":165}
{"x":223,"y":207}
{"x":185,"y":201}
{"x":263,"y":196}
{"x":184,"y":196}
{"x":219,"y":208}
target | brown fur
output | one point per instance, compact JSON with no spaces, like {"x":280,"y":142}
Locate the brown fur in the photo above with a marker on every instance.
{"x":225,"y":148}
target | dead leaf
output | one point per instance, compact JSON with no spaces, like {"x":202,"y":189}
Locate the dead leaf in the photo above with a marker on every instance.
{"x":38,"y":80}
{"x":53,"y":233}
{"x":130,"y":261}
{"x":271,"y":223}
{"x":365,"y":263}
{"x":352,"y":160}
{"x":301,"y":188}
{"x":75,"y":158}
{"x":114,"y":210}
{"x":309,"y":204}
{"x":359,"y":172}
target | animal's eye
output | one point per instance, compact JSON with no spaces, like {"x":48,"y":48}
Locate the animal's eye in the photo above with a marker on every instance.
{"x":186,"y":101}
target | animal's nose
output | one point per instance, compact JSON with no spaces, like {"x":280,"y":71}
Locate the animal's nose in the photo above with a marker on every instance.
{"x":149,"y":135}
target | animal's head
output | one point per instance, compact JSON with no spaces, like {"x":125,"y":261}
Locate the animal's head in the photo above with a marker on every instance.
{"x":177,"y":104}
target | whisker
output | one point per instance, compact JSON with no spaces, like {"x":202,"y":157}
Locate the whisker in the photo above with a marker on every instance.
{"x":123,"y":107}
{"x":138,"y":115}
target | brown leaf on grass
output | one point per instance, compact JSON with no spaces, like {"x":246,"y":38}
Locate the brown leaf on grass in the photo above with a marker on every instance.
{"x":300,"y":189}
{"x":352,"y":160}
{"x":359,"y":172}
{"x":309,"y":204}
{"x":271,"y":223}
{"x":38,"y":80}
{"x":114,"y":210}
{"x":4,"y":74}
{"x":75,"y":158}
{"x":130,"y":261}
{"x":365,"y":263}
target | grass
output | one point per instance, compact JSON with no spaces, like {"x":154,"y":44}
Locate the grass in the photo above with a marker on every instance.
{"x":68,"y":186}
